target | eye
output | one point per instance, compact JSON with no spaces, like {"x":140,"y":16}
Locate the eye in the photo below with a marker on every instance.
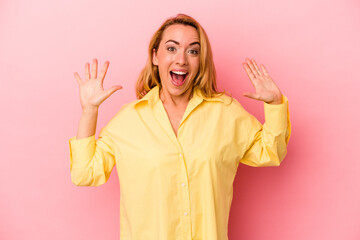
{"x":171,"y":49}
{"x":194,"y":52}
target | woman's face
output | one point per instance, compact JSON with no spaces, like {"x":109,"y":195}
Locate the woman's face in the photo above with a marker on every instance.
{"x":178,"y":59}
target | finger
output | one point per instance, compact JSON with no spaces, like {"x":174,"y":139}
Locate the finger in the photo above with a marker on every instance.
{"x":252,"y":95}
{"x":264,"y":70}
{"x":111,"y":90}
{"x":249,"y":73}
{"x":103,"y":71}
{"x":78,"y":79}
{"x":256,"y":66}
{"x":252,"y":67}
{"x":94,"y":69}
{"x":87,"y":71}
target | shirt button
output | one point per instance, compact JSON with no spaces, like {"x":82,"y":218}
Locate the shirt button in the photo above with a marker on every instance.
{"x":185,"y":213}
{"x":183,"y":184}
{"x":180,"y":155}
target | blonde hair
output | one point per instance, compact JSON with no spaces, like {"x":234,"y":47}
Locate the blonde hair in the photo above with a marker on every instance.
{"x":206,"y":77}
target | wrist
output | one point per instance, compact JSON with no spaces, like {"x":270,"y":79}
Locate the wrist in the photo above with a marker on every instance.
{"x":277,"y":100}
{"x":90,"y":109}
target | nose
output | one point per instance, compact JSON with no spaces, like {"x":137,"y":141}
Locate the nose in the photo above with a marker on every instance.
{"x":181,"y":58}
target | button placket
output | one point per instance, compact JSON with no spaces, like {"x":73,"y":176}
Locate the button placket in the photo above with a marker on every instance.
{"x":185,"y":198}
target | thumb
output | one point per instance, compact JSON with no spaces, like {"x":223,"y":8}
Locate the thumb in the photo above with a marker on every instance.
{"x":255,"y":96}
{"x":111,"y":90}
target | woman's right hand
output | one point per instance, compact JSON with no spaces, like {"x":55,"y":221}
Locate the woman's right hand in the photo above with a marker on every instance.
{"x":92,"y":93}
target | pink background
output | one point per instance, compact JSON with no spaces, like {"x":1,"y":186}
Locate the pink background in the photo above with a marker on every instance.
{"x":310,"y":48}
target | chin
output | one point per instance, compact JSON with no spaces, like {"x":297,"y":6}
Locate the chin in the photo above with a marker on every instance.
{"x":177,"y":91}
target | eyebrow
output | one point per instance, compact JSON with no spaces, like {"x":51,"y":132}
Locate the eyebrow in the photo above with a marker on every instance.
{"x":193,"y":43}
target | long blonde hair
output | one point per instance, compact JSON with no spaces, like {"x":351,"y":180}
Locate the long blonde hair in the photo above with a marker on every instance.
{"x":206,"y":77}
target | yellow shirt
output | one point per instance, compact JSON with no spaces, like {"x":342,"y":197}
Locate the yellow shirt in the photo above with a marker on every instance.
{"x":179,"y":187}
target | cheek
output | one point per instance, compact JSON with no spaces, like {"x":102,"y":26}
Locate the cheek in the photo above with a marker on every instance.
{"x":163,"y":57}
{"x":164,"y":62}
{"x":196,"y":65}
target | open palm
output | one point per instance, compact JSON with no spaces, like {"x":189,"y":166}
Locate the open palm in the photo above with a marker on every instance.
{"x":92,"y":93}
{"x":265,"y":88}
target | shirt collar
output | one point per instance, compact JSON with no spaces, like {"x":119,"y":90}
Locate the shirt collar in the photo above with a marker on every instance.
{"x":153,"y":96}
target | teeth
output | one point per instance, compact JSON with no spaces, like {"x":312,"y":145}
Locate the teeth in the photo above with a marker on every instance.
{"x":179,"y":73}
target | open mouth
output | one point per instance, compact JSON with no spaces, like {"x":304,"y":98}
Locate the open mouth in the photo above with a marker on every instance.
{"x":178,"y":78}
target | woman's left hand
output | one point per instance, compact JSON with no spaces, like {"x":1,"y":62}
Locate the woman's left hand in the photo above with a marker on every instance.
{"x":265,"y":87}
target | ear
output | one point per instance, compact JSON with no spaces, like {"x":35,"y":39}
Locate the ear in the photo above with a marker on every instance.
{"x":154,"y":58}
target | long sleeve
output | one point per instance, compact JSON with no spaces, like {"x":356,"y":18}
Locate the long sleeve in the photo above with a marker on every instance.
{"x":91,"y":160}
{"x":269,"y":141}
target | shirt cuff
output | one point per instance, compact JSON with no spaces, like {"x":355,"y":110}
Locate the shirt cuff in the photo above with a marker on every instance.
{"x":277,"y":115}
{"x":81,"y":151}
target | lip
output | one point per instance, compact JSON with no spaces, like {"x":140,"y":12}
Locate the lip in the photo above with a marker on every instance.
{"x":179,"y":70}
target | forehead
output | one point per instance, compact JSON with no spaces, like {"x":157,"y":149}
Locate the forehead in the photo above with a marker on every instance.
{"x":181,"y":33}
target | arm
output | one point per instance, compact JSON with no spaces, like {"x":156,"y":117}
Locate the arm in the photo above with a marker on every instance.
{"x":91,"y":160}
{"x":268,"y":143}
{"x":87,"y":124}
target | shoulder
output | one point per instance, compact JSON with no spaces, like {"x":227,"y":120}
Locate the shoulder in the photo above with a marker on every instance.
{"x":230,"y":107}
{"x":227,"y":102}
{"x":127,"y":109}
{"x":126,"y":113}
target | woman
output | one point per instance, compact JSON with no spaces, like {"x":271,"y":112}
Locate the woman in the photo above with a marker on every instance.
{"x":177,"y":147}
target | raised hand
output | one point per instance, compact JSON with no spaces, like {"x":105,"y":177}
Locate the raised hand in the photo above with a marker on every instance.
{"x":265,"y":87}
{"x":92,"y":93}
